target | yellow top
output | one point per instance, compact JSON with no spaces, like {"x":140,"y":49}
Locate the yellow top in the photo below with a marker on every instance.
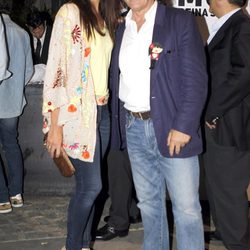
{"x":101,"y":48}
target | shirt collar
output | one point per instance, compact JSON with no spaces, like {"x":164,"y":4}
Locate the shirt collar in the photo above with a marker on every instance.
{"x":6,"y":17}
{"x":149,"y":15}
{"x":217,"y":25}
{"x":43,"y":36}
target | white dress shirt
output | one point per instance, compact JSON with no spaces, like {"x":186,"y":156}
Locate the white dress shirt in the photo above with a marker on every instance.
{"x":134,"y":62}
{"x":41,"y":40}
{"x":218,"y":24}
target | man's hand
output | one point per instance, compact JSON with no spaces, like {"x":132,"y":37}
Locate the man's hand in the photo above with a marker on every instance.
{"x":177,"y":140}
{"x":211,"y":126}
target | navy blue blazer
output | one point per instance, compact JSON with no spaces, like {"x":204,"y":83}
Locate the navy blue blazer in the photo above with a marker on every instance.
{"x":178,"y":82}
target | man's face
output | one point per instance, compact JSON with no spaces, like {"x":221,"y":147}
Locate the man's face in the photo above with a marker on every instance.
{"x":214,"y":7}
{"x":38,"y":31}
{"x":139,"y":5}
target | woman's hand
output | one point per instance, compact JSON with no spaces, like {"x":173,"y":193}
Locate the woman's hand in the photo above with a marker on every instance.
{"x":55,"y":136}
{"x":54,"y":141}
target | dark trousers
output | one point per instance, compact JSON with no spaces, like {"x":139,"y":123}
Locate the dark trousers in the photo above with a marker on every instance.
{"x":13,"y":155}
{"x":121,"y":190}
{"x":227,"y":179}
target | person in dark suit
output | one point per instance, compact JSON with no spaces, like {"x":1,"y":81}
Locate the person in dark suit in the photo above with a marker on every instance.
{"x":123,"y":210}
{"x":227,"y":158}
{"x":158,"y":85}
{"x":40,"y":29}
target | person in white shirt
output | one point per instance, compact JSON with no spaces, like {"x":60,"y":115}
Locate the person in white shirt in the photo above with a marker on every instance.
{"x":158,"y":83}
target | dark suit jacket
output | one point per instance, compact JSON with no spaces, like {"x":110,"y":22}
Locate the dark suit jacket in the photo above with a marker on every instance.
{"x":229,"y":61}
{"x":178,"y":83}
{"x":45,"y":49}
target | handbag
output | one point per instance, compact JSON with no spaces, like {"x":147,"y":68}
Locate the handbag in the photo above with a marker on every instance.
{"x":62,"y":162}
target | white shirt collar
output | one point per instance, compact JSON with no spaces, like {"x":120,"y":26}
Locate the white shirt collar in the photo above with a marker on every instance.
{"x":150,"y":14}
{"x":43,"y":36}
{"x":219,"y":23}
{"x":6,"y":16}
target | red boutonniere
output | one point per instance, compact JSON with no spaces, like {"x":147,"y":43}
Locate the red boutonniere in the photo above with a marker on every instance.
{"x":154,"y":52}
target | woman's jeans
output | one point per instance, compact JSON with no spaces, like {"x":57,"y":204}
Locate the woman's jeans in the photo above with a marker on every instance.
{"x":88,"y":186}
{"x":152,"y":174}
{"x":13,"y":155}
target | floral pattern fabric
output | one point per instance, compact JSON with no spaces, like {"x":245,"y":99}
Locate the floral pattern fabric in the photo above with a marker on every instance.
{"x":69,"y":85}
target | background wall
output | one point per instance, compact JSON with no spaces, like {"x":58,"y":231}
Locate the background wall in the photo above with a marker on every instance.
{"x":200,"y":9}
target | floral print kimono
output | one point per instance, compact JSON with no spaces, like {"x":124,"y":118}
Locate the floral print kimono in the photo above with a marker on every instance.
{"x":69,"y":85}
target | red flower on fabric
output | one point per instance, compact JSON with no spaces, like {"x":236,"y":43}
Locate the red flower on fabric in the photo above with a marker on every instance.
{"x":74,"y":146}
{"x":72,"y":108}
{"x":76,"y":34}
{"x":59,"y":79}
{"x":87,"y":52}
{"x":85,"y":153}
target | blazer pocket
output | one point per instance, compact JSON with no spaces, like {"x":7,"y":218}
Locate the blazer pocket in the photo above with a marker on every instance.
{"x":170,"y":53}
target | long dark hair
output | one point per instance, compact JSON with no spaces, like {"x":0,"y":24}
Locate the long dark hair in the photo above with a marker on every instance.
{"x":109,"y":11}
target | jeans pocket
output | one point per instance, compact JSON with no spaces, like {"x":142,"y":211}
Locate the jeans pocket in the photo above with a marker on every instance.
{"x":129,"y":120}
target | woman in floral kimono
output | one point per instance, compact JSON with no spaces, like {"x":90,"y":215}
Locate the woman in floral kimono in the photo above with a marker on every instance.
{"x":75,"y":102}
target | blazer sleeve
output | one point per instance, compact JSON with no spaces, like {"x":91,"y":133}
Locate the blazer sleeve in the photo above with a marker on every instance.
{"x":54,"y":92}
{"x":236,"y":87}
{"x":193,"y":90}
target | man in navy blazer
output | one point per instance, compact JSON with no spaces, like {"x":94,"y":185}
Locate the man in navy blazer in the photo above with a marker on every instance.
{"x":158,"y":85}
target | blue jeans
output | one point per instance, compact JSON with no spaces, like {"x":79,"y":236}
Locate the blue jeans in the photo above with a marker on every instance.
{"x":13,"y":155}
{"x":88,"y":186}
{"x":152,"y":174}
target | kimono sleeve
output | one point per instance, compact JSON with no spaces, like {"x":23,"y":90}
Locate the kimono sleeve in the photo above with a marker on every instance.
{"x":55,"y":92}
{"x":55,"y":85}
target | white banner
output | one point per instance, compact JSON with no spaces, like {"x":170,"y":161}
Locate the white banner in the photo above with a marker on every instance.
{"x":199,"y":8}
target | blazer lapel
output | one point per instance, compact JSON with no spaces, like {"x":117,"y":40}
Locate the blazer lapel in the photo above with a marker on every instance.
{"x":158,"y":35}
{"x":119,"y":36}
{"x":220,"y":33}
{"x":218,"y":37}
{"x":115,"y":56}
{"x":159,"y":27}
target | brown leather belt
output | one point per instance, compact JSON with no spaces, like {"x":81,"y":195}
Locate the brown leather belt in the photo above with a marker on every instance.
{"x":141,"y":115}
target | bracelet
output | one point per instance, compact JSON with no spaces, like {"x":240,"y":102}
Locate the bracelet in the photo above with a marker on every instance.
{"x":215,"y":120}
